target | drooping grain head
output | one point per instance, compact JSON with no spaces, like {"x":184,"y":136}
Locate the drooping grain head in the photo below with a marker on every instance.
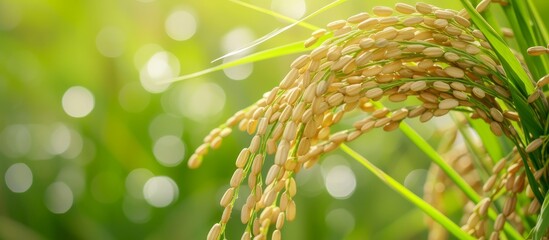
{"x":418,"y":52}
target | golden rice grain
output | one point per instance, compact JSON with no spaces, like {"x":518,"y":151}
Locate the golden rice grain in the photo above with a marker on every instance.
{"x":374,"y":93}
{"x":489,"y":184}
{"x":460,"y":95}
{"x":404,"y":8}
{"x":534,"y":207}
{"x":534,"y":145}
{"x":534,"y":96}
{"x":289,"y":79}
{"x":448,"y":103}
{"x":368,"y":24}
{"x":237,"y":177}
{"x":536,"y":50}
{"x":483,"y":5}
{"x":496,"y":114}
{"x":290,"y":211}
{"x":499,"y":166}
{"x":458,"y":86}
{"x":418,"y":86}
{"x":367,"y":126}
{"x":543,"y":81}
{"x":398,"y":97}
{"x":282,"y":152}
{"x":387,"y":21}
{"x":319,"y":52}
{"x":214,"y":232}
{"x":495,"y":127}
{"x":280,"y":220}
{"x":391,"y":126}
{"x":424,"y":8}
{"x":500,"y":221}
{"x":426,"y":116}
{"x":412,"y":21}
{"x":310,"y":42}
{"x":357,"y":18}
{"x":226,"y":214}
{"x":227,"y":197}
{"x":257,"y":166}
{"x":242,"y":158}
{"x":433,"y":52}
{"x":440,"y":23}
{"x":353,"y":135}
{"x":462,"y":21}
{"x":399,"y":114}
{"x":335,"y":25}
{"x":478,"y":92}
{"x":484,"y":206}
{"x":519,"y":183}
{"x":382,"y":11}
{"x":194,"y":161}
{"x":441,"y":86}
{"x":454,"y":72}
{"x":276,"y":235}
{"x":416,"y":112}
{"x":318,"y":33}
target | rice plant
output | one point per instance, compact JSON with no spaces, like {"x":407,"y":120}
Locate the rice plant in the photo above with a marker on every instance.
{"x":429,"y":62}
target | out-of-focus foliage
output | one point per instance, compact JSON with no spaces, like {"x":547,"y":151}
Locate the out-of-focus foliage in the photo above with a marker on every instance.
{"x":92,"y":148}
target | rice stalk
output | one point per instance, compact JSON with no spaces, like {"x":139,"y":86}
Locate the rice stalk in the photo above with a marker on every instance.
{"x":435,"y":55}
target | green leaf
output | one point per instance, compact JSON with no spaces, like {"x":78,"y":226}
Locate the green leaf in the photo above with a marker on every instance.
{"x":283,"y":50}
{"x":543,"y":220}
{"x":518,"y":82}
{"x":255,"y":57}
{"x":409,"y":195}
{"x":438,"y":160}
{"x":494,"y":150}
{"x":275,"y":14}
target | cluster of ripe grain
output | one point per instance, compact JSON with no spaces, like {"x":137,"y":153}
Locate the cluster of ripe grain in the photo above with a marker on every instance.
{"x":426,"y":53}
{"x":505,"y":191}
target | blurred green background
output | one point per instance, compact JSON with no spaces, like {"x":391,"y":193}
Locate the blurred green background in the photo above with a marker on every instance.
{"x":91,"y":148}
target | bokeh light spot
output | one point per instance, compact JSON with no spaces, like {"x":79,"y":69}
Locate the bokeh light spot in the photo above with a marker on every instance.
{"x":290,"y":8}
{"x":110,"y":42}
{"x":180,"y":25}
{"x":75,"y":177}
{"x":135,"y":181}
{"x":10,"y":15}
{"x":144,"y":53}
{"x":201,"y":101}
{"x":169,"y":150}
{"x":78,"y":102}
{"x":75,"y":147}
{"x":136,"y":211}
{"x":415,"y":180}
{"x":16,"y":141}
{"x":133,"y":98}
{"x":18,"y":177}
{"x":237,"y":39}
{"x":340,"y":182}
{"x":340,"y":220}
{"x":160,"y":191}
{"x":239,"y":72}
{"x":59,"y":198}
{"x":161,"y":66}
{"x":165,"y":124}
{"x":60,"y":139}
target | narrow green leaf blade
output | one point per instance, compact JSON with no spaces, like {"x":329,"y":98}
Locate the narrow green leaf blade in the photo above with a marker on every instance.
{"x":543,"y":220}
{"x":287,"y":49}
{"x":409,"y":195}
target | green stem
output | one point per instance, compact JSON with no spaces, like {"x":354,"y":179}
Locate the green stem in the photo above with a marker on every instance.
{"x":437,"y":159}
{"x":410,"y":196}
